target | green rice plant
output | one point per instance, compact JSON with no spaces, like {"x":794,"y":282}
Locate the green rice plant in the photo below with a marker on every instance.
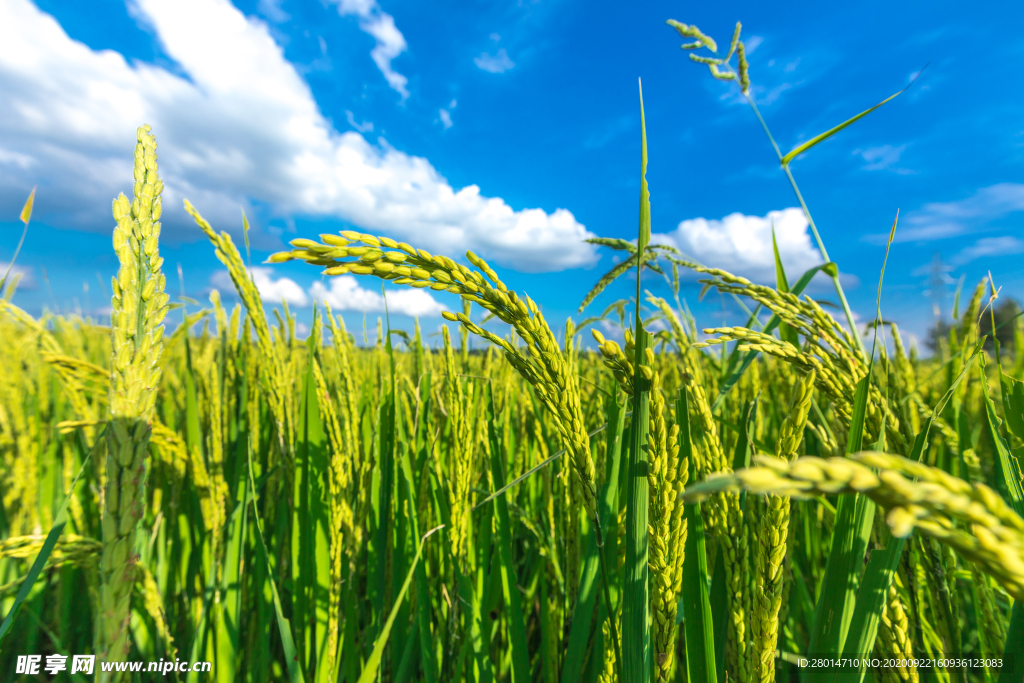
{"x":272,"y":493}
{"x":137,"y":312}
{"x":916,"y":496}
{"x":772,"y":535}
{"x":547,"y":370}
{"x":721,"y":69}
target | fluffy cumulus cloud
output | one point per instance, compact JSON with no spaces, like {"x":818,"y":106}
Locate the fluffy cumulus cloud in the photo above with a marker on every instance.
{"x":742,"y":244}
{"x":345,"y":294}
{"x":69,"y":113}
{"x":272,"y":290}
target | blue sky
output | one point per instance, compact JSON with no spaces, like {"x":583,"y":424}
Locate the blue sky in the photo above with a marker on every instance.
{"x":513,"y":128}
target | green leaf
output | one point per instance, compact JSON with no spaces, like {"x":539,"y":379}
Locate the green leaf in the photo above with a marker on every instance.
{"x":1008,"y":468}
{"x":786,"y":333}
{"x":699,"y":625}
{"x":384,"y":528}
{"x":509,"y":580}
{"x":860,"y":404}
{"x":410,"y":655}
{"x":832,"y":131}
{"x":645,"y":195}
{"x":781,"y":283}
{"x":373,"y":662}
{"x":741,"y":454}
{"x":428,"y":660}
{"x":834,"y":611}
{"x":719,"y":601}
{"x":193,"y":435}
{"x":871,"y":597}
{"x":1013,"y":403}
{"x":1014,"y":649}
{"x":855,"y":515}
{"x":313,"y":518}
{"x":283,"y":625}
{"x":194,"y":442}
{"x":579,"y":634}
{"x":60,"y":520}
{"x":229,"y":612}
{"x":922,"y":437}
{"x":636,"y":646}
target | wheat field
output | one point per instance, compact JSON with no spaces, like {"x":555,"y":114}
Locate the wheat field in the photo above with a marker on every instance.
{"x":544,"y":504}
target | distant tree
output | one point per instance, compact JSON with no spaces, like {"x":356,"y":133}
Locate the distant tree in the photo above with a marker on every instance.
{"x":1005,"y":311}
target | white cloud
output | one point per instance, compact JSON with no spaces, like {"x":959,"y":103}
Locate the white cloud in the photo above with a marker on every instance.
{"x":69,"y":113}
{"x":446,"y":118}
{"x":345,"y":294}
{"x":28,"y":280}
{"x":609,"y":328}
{"x":390,"y":41}
{"x":496,"y":64}
{"x":989,"y":246}
{"x":271,"y":9}
{"x":742,"y":244}
{"x":939,"y":220}
{"x":271,"y":291}
{"x":882,"y":158}
{"x":364,"y":127}
{"x":9,"y":158}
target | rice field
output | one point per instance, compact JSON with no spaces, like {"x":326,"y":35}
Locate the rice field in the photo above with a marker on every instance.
{"x":193,"y":482}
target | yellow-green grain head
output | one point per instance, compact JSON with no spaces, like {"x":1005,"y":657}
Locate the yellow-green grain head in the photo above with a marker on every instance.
{"x":139,"y":302}
{"x":137,"y":311}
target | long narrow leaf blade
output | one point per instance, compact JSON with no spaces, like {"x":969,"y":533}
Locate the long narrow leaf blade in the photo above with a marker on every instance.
{"x":373,"y":662}
{"x":786,"y":333}
{"x":800,"y":149}
{"x":699,"y":625}
{"x":1008,"y":469}
{"x":1013,"y":670}
{"x":283,"y":625}
{"x":868,"y":611}
{"x":850,"y":534}
{"x":509,"y":581}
